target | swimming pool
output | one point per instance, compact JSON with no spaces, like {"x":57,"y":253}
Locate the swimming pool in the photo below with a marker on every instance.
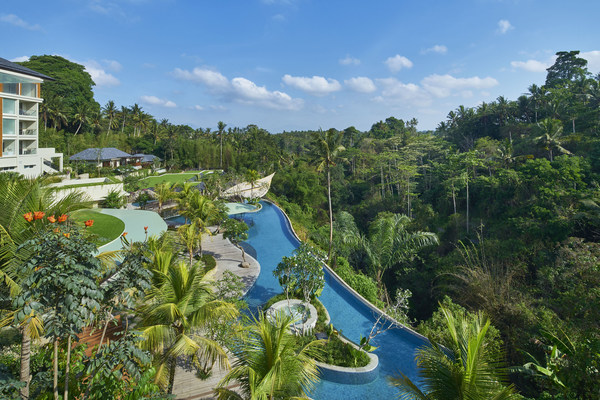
{"x":271,"y":238}
{"x":232,"y":209}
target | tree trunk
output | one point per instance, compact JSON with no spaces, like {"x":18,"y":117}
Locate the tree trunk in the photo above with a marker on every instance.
{"x":104,"y":330}
{"x":55,"y":366}
{"x":78,"y":128}
{"x":330,"y":214}
{"x":467,"y":203}
{"x":221,"y":164}
{"x":172,"y":375}
{"x":66,"y":397}
{"x":243,"y":253}
{"x":25,"y":362}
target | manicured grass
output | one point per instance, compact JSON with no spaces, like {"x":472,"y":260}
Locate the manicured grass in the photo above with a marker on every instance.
{"x":106,"y":227}
{"x":152,"y":181}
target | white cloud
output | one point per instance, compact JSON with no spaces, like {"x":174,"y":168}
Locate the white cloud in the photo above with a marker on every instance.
{"x":394,"y":91}
{"x":155,"y":101}
{"x":593,"y":59}
{"x":16,"y":21}
{"x":361,"y":84}
{"x":112,"y":65}
{"x":239,"y":89}
{"x":20,"y":59}
{"x":349,"y":61}
{"x":398,"y":62}
{"x":504,"y":26}
{"x":438,"y":48}
{"x":317,"y":85}
{"x":99,"y":75}
{"x":445,"y":85}
{"x":530,"y":65}
{"x":213,"y":79}
{"x":198,"y":107}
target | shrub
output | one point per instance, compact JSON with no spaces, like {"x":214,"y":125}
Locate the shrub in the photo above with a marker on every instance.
{"x":209,"y":261}
{"x":363,"y":284}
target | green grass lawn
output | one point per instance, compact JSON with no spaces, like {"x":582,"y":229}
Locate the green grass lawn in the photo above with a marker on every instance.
{"x":152,"y":181}
{"x":105,"y":228}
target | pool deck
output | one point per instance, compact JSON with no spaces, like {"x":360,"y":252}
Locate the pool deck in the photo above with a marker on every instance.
{"x":187,"y":386}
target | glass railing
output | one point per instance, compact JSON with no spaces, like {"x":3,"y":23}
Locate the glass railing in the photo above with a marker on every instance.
{"x":8,"y":153}
{"x":27,"y":132}
{"x":30,"y":113}
{"x":26,"y":152}
{"x":11,"y":88}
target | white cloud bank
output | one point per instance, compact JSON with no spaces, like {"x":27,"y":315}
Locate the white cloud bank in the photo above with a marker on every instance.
{"x":530,"y":65}
{"x":99,"y":74}
{"x":438,"y":48}
{"x":239,"y":89}
{"x":360,"y":84}
{"x":398,"y":62}
{"x":317,"y":85}
{"x":155,"y":101}
{"x":444,"y":85}
{"x":593,"y":59}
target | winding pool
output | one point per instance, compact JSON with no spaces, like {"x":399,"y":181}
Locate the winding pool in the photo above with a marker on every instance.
{"x":271,"y":238}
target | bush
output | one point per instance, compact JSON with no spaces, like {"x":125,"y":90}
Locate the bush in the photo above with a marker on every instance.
{"x":363,"y":284}
{"x":209,"y":261}
{"x":113,"y":200}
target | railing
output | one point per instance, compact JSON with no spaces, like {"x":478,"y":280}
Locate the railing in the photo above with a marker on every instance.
{"x":27,"y":132}
{"x":30,"y":113}
{"x":26,"y":152}
{"x":8,"y":153}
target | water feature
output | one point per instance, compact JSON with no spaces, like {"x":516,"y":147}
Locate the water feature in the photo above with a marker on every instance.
{"x":271,"y":238}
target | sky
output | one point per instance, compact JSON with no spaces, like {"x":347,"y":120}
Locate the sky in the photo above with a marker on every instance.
{"x":289,"y":65}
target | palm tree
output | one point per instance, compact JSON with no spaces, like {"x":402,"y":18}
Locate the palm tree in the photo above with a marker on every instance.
{"x":388,"y":243}
{"x":270,"y":364}
{"x":327,"y":150}
{"x":81,"y":116}
{"x":173,"y":317}
{"x":191,"y":236}
{"x":198,"y":208}
{"x":17,"y":197}
{"x":466,"y":368}
{"x":551,"y":134}
{"x":123,"y":116}
{"x":221,"y":128}
{"x":110,"y":111}
{"x":164,"y":192}
{"x":252,"y":176}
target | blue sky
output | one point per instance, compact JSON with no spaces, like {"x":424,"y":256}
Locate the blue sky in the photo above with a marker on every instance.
{"x":304,"y":64}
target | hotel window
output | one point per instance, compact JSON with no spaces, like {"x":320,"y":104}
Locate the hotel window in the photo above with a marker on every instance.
{"x":8,"y":148}
{"x":12,"y":88}
{"x":9,"y":127}
{"x":28,"y":89}
{"x":9,"y":106}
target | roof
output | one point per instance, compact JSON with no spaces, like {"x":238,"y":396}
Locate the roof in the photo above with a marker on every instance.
{"x":146,"y":157}
{"x":11,"y":66}
{"x":99,"y":154}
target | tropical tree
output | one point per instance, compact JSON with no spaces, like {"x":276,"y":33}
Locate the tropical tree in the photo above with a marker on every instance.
{"x":82,"y":115}
{"x":252,"y":176}
{"x":327,"y":149}
{"x":221,"y":129}
{"x":172,"y":319}
{"x":389,"y":242}
{"x":110,"y":111}
{"x":236,"y":231}
{"x":164,"y":192}
{"x":465,"y":369}
{"x":191,"y":236}
{"x":551,"y":134}
{"x":19,"y":197}
{"x":271,"y":363}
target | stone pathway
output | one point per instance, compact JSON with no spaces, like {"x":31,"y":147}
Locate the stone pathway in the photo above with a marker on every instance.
{"x":187,"y":385}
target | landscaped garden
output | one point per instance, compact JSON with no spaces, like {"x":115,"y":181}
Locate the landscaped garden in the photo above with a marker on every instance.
{"x":105,"y":228}
{"x":152,"y":181}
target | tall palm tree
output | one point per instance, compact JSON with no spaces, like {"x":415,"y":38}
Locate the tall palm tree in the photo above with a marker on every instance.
{"x":252,"y":176}
{"x":18,"y":197}
{"x":270,"y":363}
{"x":388,"y":243}
{"x":81,"y":116}
{"x":123,"y":115}
{"x":110,"y":111}
{"x":221,"y":129}
{"x":172,"y":319}
{"x":551,"y":134}
{"x":164,"y":192}
{"x":191,"y":236}
{"x":466,"y":368}
{"x":198,"y":208}
{"x":327,"y":149}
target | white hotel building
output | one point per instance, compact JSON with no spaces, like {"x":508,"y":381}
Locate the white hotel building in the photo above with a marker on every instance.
{"x":20,"y":97}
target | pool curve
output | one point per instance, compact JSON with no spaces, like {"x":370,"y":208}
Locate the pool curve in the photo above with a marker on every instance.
{"x":271,"y":237}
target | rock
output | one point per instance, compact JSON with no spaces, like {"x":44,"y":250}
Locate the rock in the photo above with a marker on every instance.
{"x":245,"y":264}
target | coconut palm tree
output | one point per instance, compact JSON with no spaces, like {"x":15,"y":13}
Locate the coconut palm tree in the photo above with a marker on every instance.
{"x":327,"y":149}
{"x":221,"y":129}
{"x":465,"y":369}
{"x":388,"y":242}
{"x":191,"y":236}
{"x":81,"y":116}
{"x":110,"y":111}
{"x":270,"y":363}
{"x":252,"y":176}
{"x":123,"y":115}
{"x":172,"y":319}
{"x":551,"y":134}
{"x":18,"y":197}
{"x":164,"y":192}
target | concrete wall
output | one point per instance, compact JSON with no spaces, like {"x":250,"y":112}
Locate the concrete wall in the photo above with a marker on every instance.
{"x":94,"y":193}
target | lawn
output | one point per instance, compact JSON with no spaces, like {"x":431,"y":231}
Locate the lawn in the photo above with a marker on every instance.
{"x":152,"y":181}
{"x":105,"y":228}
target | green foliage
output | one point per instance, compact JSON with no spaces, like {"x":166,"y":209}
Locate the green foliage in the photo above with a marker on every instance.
{"x":303,"y":272}
{"x":114,"y":200}
{"x":364,"y":285}
{"x":209,"y":261}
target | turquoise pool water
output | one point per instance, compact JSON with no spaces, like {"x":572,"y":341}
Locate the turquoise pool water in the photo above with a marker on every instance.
{"x":232,"y":209}
{"x":271,"y":238}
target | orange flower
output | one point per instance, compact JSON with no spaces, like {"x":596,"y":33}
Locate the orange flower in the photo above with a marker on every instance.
{"x":124,"y":234}
{"x":38,"y":214}
{"x":146,"y":229}
{"x":56,"y":230}
{"x":28,"y":217}
{"x":67,"y":235}
{"x":89,"y":223}
{"x":62,"y":218}
{"x":52,"y":219}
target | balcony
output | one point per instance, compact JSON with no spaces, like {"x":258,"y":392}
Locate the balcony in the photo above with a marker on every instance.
{"x":27,"y":152}
{"x":29,"y":113}
{"x":28,"y":132}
